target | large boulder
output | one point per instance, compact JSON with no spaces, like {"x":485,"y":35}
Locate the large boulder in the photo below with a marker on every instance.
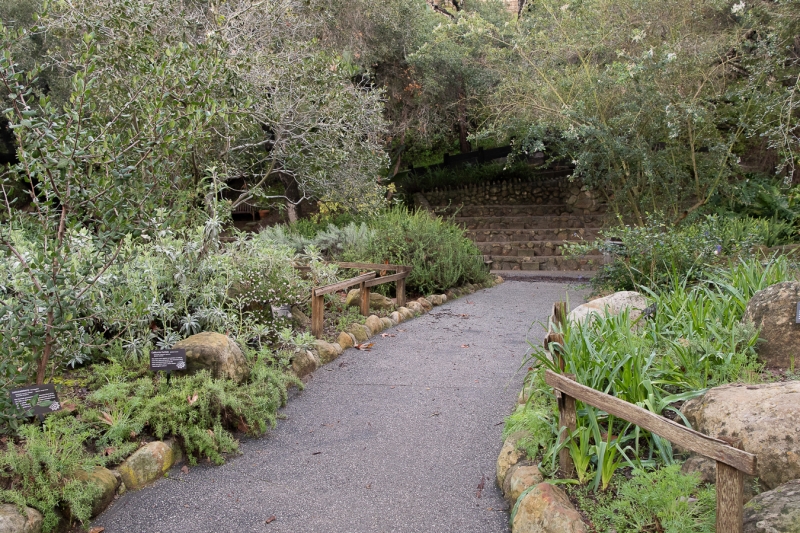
{"x":520,"y":478}
{"x":346,"y":340}
{"x":304,"y":362}
{"x":425,"y":303}
{"x":148,"y":464}
{"x":416,"y":307}
{"x":706,"y":470}
{"x":12,"y":521}
{"x":360,"y":332}
{"x":610,"y":305}
{"x":546,"y":509}
{"x":509,"y":456}
{"x":406,"y":313}
{"x":775,"y":511}
{"x":215,"y":352}
{"x":106,"y":481}
{"x":376,"y":301}
{"x":765,"y":418}
{"x":374,"y":324}
{"x":437,"y":299}
{"x":396,"y":317}
{"x":773,"y":311}
{"x":326,"y":351}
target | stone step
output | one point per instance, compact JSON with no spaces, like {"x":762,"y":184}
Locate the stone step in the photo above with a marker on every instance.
{"x":504,"y":210}
{"x":530,"y":222}
{"x":512,"y":235}
{"x":586,"y":263}
{"x":524,"y":248}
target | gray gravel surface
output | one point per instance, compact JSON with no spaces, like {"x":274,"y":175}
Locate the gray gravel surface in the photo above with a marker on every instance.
{"x":398,"y":439}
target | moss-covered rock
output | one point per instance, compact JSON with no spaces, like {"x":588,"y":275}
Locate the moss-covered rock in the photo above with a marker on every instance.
{"x":215,"y":352}
{"x":148,"y":464}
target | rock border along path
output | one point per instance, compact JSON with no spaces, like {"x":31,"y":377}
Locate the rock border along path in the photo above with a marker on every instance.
{"x":403,"y":438}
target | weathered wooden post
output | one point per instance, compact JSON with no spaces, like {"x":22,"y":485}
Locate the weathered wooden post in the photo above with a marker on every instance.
{"x":730,"y":494}
{"x":401,"y":292}
{"x":567,"y":417}
{"x":317,"y":310}
{"x":364,"y":298}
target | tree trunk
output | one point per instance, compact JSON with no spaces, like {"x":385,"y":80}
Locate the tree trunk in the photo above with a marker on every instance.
{"x":462,"y":121}
{"x":292,"y":193}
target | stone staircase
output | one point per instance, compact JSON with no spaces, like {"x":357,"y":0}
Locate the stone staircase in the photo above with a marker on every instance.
{"x":523,"y":224}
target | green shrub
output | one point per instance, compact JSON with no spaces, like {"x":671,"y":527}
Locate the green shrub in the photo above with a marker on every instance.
{"x":440,"y":254}
{"x":657,"y":253}
{"x":537,"y":417}
{"x":199,"y":410}
{"x":695,"y":340}
{"x":661,"y":500}
{"x":40,"y":471}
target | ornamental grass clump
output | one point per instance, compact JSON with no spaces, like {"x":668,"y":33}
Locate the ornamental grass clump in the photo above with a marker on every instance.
{"x":694,"y":340}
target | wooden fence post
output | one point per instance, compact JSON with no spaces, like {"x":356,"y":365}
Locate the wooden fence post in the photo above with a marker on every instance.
{"x":401,"y":292}
{"x":730,"y":494}
{"x":560,"y":319}
{"x":567,"y":417}
{"x":364,"y":298}
{"x":317,"y":310}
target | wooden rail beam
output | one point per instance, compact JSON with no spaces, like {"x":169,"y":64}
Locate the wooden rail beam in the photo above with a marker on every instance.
{"x":342,"y":285}
{"x":687,"y":438}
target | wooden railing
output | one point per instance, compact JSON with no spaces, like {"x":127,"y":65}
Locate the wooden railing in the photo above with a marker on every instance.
{"x":364,"y":281}
{"x":732,"y":462}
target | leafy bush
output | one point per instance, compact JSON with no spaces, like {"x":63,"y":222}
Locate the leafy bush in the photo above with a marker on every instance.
{"x":440,"y":254}
{"x":199,"y":410}
{"x":660,"y":500}
{"x":656,"y":253}
{"x":40,"y":473}
{"x":695,"y":340}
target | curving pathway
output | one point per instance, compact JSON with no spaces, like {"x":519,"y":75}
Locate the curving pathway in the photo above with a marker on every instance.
{"x":398,"y":439}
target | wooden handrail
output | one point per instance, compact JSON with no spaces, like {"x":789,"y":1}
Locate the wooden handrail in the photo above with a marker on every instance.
{"x":364,"y":281}
{"x":732,"y":462}
{"x":342,"y":285}
{"x":672,"y":431}
{"x":387,"y":279}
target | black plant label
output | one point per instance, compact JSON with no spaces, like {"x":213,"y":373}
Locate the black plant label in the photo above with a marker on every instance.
{"x":167,"y":360}
{"x":38,"y":400}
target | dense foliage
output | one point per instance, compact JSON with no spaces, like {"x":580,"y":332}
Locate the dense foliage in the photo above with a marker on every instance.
{"x":437,"y":250}
{"x":656,"y":253}
{"x":694,"y":340}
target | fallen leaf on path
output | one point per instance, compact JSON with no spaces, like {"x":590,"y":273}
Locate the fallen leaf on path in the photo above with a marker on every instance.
{"x":403,"y":330}
{"x":384,"y":335}
{"x":270,"y":519}
{"x":342,"y":364}
{"x":437,"y":413}
{"x":470,"y":303}
{"x":365,"y":346}
{"x":97,"y":530}
{"x":480,"y":486}
{"x":185,"y":469}
{"x":465,"y":345}
{"x":316,"y":453}
{"x":464,"y":315}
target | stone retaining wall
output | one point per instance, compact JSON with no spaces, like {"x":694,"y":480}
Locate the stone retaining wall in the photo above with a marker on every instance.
{"x":552,"y":191}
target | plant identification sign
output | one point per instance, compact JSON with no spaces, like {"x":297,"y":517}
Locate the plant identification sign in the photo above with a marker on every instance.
{"x":167,"y":360}
{"x":45,"y":395}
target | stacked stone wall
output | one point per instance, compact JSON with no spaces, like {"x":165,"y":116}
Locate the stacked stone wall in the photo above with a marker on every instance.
{"x":553,"y":191}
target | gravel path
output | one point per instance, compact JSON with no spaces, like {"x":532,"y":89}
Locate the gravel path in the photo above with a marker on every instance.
{"x":397,"y":439}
